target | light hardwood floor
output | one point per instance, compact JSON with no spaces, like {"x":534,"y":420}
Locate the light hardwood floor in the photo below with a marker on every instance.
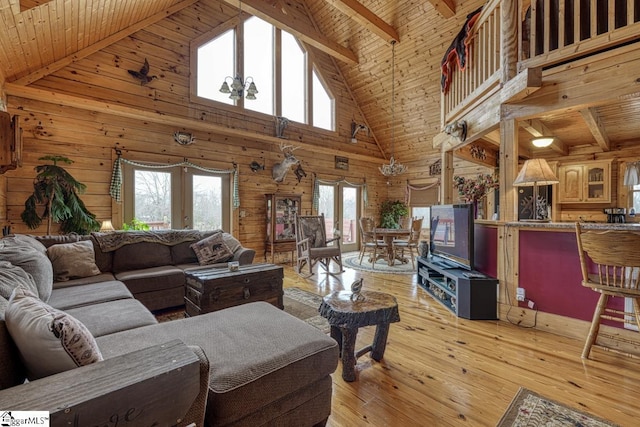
{"x":439,"y":370}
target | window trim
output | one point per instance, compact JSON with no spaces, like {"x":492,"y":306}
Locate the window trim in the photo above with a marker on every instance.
{"x":234,"y":24}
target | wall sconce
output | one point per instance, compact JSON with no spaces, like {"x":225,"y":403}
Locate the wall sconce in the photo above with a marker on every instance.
{"x":238,"y":86}
{"x":355,"y":128}
{"x":542,"y":141}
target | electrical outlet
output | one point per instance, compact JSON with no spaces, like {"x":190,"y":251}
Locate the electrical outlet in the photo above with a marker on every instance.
{"x":520,"y":294}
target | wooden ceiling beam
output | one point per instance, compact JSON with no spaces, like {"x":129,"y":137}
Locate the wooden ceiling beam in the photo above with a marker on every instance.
{"x":594,"y":122}
{"x":83,"y":53}
{"x":363,"y":16}
{"x":537,"y":129}
{"x":276,"y":14}
{"x":446,"y":8}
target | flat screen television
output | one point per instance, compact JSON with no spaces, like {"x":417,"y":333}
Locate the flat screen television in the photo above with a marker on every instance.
{"x":452,"y":235}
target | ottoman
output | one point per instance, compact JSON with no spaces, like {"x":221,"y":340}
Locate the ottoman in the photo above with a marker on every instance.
{"x":266,"y":366}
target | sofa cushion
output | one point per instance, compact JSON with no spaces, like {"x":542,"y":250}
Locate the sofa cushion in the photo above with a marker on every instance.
{"x":212,"y":250}
{"x":12,"y":276}
{"x":136,"y":256}
{"x":242,"y":379}
{"x":152,"y":279}
{"x":113,"y":316}
{"x":94,"y":293}
{"x":31,"y":260}
{"x":73,"y":260}
{"x":49,"y":340}
{"x":102,"y":277}
{"x":103,"y":259}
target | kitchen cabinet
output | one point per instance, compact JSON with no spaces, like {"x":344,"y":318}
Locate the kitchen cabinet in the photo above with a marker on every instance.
{"x":588,"y":182}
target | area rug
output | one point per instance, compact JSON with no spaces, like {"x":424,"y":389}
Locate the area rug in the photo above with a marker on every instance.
{"x":304,"y":305}
{"x":529,"y":409}
{"x":382,"y":266}
{"x":297,"y":302}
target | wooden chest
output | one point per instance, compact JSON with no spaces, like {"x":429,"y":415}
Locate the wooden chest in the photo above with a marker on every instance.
{"x":213,"y":289}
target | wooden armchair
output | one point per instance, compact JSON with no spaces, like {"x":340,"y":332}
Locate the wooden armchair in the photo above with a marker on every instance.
{"x":410,"y":244}
{"x":312,"y":245}
{"x":616,"y":256}
{"x":369,"y":241}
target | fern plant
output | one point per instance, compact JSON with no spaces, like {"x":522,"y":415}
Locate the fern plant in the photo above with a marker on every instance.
{"x":58,"y":191}
{"x":391,"y":212}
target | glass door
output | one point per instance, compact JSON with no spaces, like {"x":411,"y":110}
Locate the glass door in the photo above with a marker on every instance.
{"x":340,"y":205}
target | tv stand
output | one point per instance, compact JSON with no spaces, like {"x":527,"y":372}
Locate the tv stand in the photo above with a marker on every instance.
{"x":464,"y":293}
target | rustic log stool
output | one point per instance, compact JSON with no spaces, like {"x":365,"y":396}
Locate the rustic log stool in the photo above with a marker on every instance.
{"x":346,"y":312}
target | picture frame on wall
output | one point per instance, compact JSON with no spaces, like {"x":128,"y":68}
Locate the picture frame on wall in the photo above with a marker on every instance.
{"x":342,"y":163}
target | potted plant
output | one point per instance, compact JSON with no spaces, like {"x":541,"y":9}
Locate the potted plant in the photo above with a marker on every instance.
{"x":391,"y":212}
{"x":58,"y":191}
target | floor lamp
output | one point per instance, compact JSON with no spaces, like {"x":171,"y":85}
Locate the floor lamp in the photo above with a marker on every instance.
{"x":535,"y":172}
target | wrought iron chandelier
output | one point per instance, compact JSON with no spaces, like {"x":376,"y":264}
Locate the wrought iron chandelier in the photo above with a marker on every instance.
{"x":393,"y":168}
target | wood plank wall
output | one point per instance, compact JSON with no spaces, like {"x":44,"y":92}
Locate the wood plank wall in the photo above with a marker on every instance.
{"x":89,"y":137}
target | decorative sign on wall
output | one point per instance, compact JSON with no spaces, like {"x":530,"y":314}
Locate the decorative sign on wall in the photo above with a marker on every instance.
{"x":436,"y":168}
{"x":342,"y":163}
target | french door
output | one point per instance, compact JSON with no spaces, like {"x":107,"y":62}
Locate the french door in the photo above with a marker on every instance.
{"x":340,"y":205}
{"x":177,"y":198}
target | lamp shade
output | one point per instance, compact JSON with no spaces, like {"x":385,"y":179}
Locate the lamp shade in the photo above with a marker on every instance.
{"x":106,"y":226}
{"x":535,"y":172}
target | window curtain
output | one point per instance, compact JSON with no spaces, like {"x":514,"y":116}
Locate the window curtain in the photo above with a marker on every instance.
{"x":316,"y":189}
{"x":422,"y":196}
{"x":632,"y":174}
{"x":115,"y":189}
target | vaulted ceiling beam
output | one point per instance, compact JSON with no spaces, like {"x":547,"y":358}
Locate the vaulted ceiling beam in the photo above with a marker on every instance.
{"x":536,"y":128}
{"x":276,"y":14}
{"x":363,"y":16}
{"x":593,"y":121}
{"x":446,"y":8}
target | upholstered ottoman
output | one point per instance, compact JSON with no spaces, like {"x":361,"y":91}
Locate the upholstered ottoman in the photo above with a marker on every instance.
{"x":266,"y":366}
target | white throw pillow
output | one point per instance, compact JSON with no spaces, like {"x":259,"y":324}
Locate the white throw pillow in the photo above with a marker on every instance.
{"x":49,"y":340}
{"x":73,"y":260}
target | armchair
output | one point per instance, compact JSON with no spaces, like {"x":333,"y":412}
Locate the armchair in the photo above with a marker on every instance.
{"x":312,"y":245}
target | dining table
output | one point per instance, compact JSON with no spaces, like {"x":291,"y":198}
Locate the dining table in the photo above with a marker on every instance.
{"x":388,"y":235}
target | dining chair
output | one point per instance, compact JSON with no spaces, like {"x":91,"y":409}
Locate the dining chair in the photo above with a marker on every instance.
{"x":411,"y":243}
{"x":614,"y":271}
{"x":313,"y":246}
{"x":369,"y":241}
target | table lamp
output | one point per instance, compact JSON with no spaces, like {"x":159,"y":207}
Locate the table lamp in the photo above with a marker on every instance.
{"x":535,"y":172}
{"x":106,"y":226}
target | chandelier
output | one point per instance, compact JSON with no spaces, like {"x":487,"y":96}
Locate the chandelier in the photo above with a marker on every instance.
{"x":393,"y":168}
{"x":237,"y":85}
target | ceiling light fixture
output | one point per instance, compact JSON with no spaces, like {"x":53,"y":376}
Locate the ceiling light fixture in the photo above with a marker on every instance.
{"x":542,"y":141}
{"x":237,"y":85}
{"x":393,"y":168}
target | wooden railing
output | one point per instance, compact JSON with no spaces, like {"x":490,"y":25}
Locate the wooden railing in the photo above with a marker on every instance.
{"x":556,"y":31}
{"x":482,"y":75}
{"x":550,"y":32}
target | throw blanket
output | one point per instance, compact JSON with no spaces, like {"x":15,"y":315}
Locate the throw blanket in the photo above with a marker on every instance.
{"x":111,"y":241}
{"x":458,"y":51}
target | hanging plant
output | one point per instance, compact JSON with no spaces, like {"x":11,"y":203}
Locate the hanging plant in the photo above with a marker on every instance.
{"x":58,"y":191}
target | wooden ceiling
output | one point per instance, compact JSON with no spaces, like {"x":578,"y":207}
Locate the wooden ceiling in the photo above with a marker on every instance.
{"x":39,"y":36}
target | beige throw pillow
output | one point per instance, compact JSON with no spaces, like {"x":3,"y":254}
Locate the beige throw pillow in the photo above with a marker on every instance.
{"x":73,"y":260}
{"x":212,"y":250}
{"x":50,"y":341}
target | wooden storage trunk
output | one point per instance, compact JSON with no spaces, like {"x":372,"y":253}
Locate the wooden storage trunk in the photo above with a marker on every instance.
{"x":213,"y":289}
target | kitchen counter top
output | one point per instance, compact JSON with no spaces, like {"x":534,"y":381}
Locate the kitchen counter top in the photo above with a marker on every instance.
{"x":564,"y":226}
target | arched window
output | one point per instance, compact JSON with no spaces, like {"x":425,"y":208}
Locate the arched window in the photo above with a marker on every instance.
{"x":283,"y":86}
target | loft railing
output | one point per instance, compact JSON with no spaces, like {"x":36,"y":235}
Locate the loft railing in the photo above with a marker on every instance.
{"x":550,"y":32}
{"x":482,"y":74}
{"x":556,"y":31}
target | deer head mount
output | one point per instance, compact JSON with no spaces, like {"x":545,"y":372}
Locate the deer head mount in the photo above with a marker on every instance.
{"x":279,"y":171}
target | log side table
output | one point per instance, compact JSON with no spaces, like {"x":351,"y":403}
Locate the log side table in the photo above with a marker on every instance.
{"x":346,"y":315}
